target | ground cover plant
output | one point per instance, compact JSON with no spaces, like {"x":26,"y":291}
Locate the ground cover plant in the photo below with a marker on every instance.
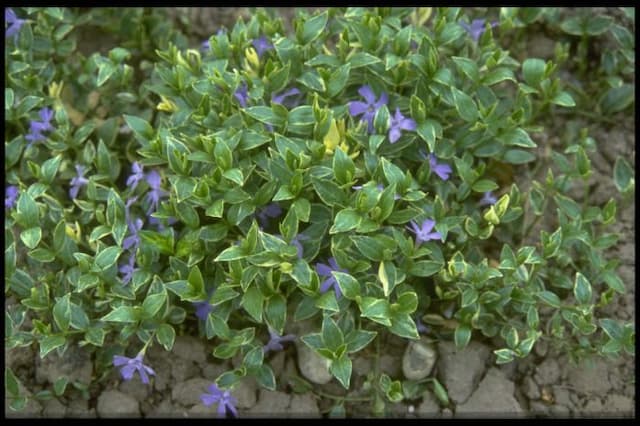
{"x":353,"y":179}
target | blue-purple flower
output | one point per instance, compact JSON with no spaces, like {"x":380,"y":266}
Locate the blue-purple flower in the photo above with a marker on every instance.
{"x":203,"y":307}
{"x":476,"y":28}
{"x":128,"y":269}
{"x":14,"y":22}
{"x":275,"y":341}
{"x":262,"y":45}
{"x":487,"y":199}
{"x":10,"y":196}
{"x":78,"y":181}
{"x":281,"y":98}
{"x":136,"y":175}
{"x":133,"y":240}
{"x":443,"y":170}
{"x":421,"y":327}
{"x":270,"y":210}
{"x":326,"y":271}
{"x":224,"y":399}
{"x":369,"y":108}
{"x":400,"y":122}
{"x":131,"y":365}
{"x":37,"y":127}
{"x":242,"y":94}
{"x":154,"y":179}
{"x":424,"y":232}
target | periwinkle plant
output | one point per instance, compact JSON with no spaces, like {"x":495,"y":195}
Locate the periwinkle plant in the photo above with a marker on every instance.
{"x":257,"y":169}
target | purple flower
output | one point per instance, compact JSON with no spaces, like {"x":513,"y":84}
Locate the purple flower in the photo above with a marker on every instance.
{"x":476,"y":28}
{"x":281,"y":98}
{"x":128,"y":269}
{"x":37,"y":127}
{"x":296,"y":242}
{"x":127,"y":207}
{"x":441,"y":169}
{"x":421,"y":327}
{"x":203,"y":308}
{"x":261,"y":45}
{"x":242,"y":94}
{"x":136,"y":175}
{"x":14,"y":22}
{"x":270,"y":210}
{"x":224,"y":399}
{"x":423,"y":233}
{"x":157,"y":222}
{"x":130,"y":365}
{"x":326,"y":271}
{"x":369,"y":108}
{"x":205,"y":45}
{"x":10,"y":196}
{"x":153,"y":196}
{"x":133,"y":240}
{"x":400,"y":122}
{"x":275,"y":341}
{"x":487,"y":199}
{"x":78,"y":181}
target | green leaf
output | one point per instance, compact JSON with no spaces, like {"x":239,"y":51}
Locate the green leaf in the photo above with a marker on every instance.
{"x":313,"y":81}
{"x":343,"y":167}
{"x":49,"y":343}
{"x":264,"y":114}
{"x":216,"y":326}
{"x":425,"y":268}
{"x":404,"y":326}
{"x":11,"y":382}
{"x":105,"y":71}
{"x":62,"y":313}
{"x":618,"y":99}
{"x":332,"y":336}
{"x":341,"y":370}
{"x":349,"y":286}
{"x":275,"y":310}
{"x":60,"y":385}
{"x":533,"y":71}
{"x":31,"y":237}
{"x":549,"y":298}
{"x":265,"y":377}
{"x":27,"y":209}
{"x":440,"y":392}
{"x":50,"y":168}
{"x":107,"y":258}
{"x":95,"y":336}
{"x":166,"y":335}
{"x":252,"y":301}
{"x":362,"y":59}
{"x":313,"y":27}
{"x":387,"y":277}
{"x":141,"y":128}
{"x":329,"y":192}
{"x":518,"y":156}
{"x":563,"y":99}
{"x":462,"y":336}
{"x":121,"y":314}
{"x":484,"y":185}
{"x":338,"y":80}
{"x":465,"y":105}
{"x":231,"y":253}
{"x":613,"y":281}
{"x":623,"y":175}
{"x":152,"y":303}
{"x":359,"y":339}
{"x":567,"y":205}
{"x":582,"y":289}
{"x":345,"y":220}
{"x":376,"y":309}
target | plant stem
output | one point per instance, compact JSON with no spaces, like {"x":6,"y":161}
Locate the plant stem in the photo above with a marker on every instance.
{"x":342,"y":398}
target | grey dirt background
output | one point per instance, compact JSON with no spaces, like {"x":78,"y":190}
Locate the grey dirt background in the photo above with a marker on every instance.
{"x":544,"y":384}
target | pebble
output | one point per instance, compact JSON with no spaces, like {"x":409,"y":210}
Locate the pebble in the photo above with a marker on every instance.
{"x":419,"y":359}
{"x":113,"y":404}
{"x":312,"y":366}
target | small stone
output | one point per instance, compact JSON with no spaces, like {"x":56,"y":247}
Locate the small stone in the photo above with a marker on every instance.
{"x":620,"y":405}
{"x":590,"y":376}
{"x":136,"y":389}
{"x":113,"y":404}
{"x":429,"y":406}
{"x":562,"y":396}
{"x":79,"y":408}
{"x":362,"y":365}
{"x":182,"y":370}
{"x":548,"y":372}
{"x":188,"y":393}
{"x":494,"y":397}
{"x":212,"y":370}
{"x":162,"y":378}
{"x":311,"y":365}
{"x":165,"y":409}
{"x":75,"y":364}
{"x":530,"y":388}
{"x":540,"y":348}
{"x":304,"y":406}
{"x":19,"y":357}
{"x":594,"y":407}
{"x":245,"y":392}
{"x":54,"y":409}
{"x":190,"y":348}
{"x":201,"y":411}
{"x":538,"y":409}
{"x":419,"y":359}
{"x":559,"y":411}
{"x":270,"y":404}
{"x":460,"y":371}
{"x":277,"y":363}
{"x":541,"y":47}
{"x":389,"y":365}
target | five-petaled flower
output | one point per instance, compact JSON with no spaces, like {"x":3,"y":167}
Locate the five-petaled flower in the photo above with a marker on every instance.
{"x":130,"y":365}
{"x":281,"y":98}
{"x":369,"y":108}
{"x":262,"y":45}
{"x":37,"y":127}
{"x":242,"y":94}
{"x":10,"y":196}
{"x":133,"y":240}
{"x":488,"y":199}
{"x":326,"y":271}
{"x":128,"y":269}
{"x":423,"y":233}
{"x":476,"y":28}
{"x":400,"y":122}
{"x":224,"y":399}
{"x":14,"y":22}
{"x":78,"y":181}
{"x":136,"y":175}
{"x":441,"y":169}
{"x":275,"y":341}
